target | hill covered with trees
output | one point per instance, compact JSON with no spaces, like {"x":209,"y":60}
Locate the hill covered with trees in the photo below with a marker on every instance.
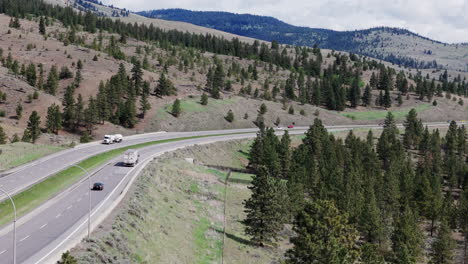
{"x":97,"y":70}
{"x":382,"y":43}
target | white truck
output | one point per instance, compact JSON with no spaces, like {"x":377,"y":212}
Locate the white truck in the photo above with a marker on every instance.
{"x":111,"y":139}
{"x":131,"y":158}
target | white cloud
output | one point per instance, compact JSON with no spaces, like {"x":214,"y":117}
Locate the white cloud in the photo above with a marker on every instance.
{"x":441,"y":20}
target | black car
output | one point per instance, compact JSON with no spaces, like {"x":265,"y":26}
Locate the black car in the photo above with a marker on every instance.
{"x":98,"y":186}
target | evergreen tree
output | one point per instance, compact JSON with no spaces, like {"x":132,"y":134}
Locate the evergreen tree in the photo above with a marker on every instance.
{"x":263,"y":109}
{"x":144,"y":104}
{"x":79,"y":112}
{"x":31,"y":76}
{"x":204,"y":99}
{"x":413,"y":130}
{"x":3,"y":136}
{"x":90,"y":116}
{"x":42,"y":27}
{"x":176,"y":108}
{"x":33,"y":130}
{"x":137,"y":77}
{"x":370,"y":254}
{"x":54,"y":119}
{"x":265,"y":208}
{"x":387,"y":100}
{"x":323,"y":236}
{"x":355,"y":93}
{"x":406,"y":238}
{"x":463,"y":219}
{"x":69,"y":113}
{"x":367,"y":96}
{"x":52,"y":81}
{"x":19,"y":111}
{"x":284,"y":153}
{"x":165,"y":87}
{"x":442,"y":248}
{"x":371,"y":219}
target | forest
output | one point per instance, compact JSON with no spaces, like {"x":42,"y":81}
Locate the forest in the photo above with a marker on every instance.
{"x":370,"y":200}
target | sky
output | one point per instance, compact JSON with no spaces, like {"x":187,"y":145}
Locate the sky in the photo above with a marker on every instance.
{"x":446,"y":20}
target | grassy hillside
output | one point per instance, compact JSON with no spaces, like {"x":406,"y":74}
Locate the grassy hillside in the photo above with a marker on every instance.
{"x":178,"y":207}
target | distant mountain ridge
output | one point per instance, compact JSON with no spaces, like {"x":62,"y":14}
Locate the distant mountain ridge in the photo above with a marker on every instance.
{"x":374,"y":42}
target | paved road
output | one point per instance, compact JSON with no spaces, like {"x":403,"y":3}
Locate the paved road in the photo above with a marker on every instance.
{"x":61,"y":222}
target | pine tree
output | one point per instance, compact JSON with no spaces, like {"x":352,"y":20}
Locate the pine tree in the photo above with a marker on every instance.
{"x":265,"y":208}
{"x":165,"y":87}
{"x":54,"y":119}
{"x":371,"y":219}
{"x":263,"y":109}
{"x":69,"y":112}
{"x":413,"y":129}
{"x":19,"y":111}
{"x":52,"y":81}
{"x":90,"y":115}
{"x":323,"y":236}
{"x":137,"y":77}
{"x":400,"y":99}
{"x":355,"y":93}
{"x":42,"y":27}
{"x":128,"y":117}
{"x":144,"y":104}
{"x":31,"y":76}
{"x":442,"y":248}
{"x":387,"y":100}
{"x":367,"y":96}
{"x":3,"y":136}
{"x":78,"y":79}
{"x":79,"y":112}
{"x":204,"y":99}
{"x":406,"y":238}
{"x":176,"y":108}
{"x":463,"y":219}
{"x":284,"y":153}
{"x":33,"y":131}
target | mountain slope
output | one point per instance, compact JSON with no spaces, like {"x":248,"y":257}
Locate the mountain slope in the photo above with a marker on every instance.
{"x":395,"y":45}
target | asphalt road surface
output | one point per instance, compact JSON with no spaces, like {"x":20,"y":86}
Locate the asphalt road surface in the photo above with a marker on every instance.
{"x":62,"y":222}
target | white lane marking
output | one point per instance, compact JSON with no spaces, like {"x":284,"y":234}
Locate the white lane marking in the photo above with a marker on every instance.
{"x":24,"y":238}
{"x":59,"y":215}
{"x":2,"y":252}
{"x":44,"y":225}
{"x":69,"y":207}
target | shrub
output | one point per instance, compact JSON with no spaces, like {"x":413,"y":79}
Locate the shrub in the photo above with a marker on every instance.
{"x":230,"y":116}
{"x":65,"y":73}
{"x":85,"y":137}
{"x":291,"y":110}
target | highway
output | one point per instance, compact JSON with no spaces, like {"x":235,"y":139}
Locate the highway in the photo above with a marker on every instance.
{"x":61,"y":223}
